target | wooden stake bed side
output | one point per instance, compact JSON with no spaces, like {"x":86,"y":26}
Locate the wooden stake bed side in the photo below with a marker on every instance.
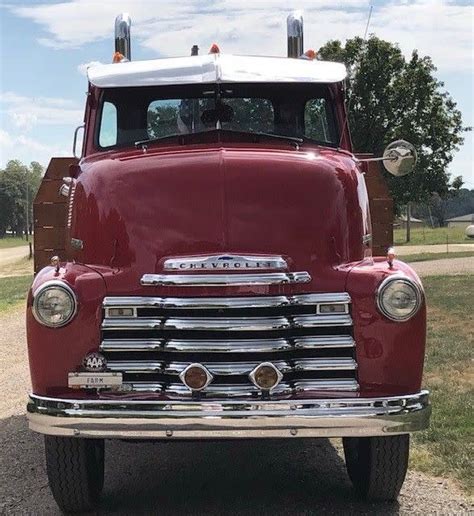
{"x":50,"y":214}
{"x":381,"y":206}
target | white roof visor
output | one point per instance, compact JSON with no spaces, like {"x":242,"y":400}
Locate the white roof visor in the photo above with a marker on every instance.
{"x":214,"y":68}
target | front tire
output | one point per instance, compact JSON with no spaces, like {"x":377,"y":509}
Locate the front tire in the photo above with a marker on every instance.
{"x":377,"y":465}
{"x":75,"y":471}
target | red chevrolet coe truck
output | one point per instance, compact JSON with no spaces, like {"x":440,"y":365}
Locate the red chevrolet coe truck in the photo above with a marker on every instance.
{"x":218,"y":279}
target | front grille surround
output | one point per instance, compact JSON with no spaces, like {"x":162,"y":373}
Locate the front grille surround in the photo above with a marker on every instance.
{"x":314,"y":351}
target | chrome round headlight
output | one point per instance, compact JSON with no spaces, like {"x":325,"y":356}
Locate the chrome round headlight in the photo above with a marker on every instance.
{"x":399,"y":298}
{"x":54,"y":304}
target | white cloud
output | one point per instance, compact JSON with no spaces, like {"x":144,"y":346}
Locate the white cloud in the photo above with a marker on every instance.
{"x":27,"y":112}
{"x":82,"y":68}
{"x":439,"y":28}
{"x":27,"y":149}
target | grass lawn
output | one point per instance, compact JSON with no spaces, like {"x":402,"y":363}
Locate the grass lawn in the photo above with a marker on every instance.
{"x":421,"y":257}
{"x":447,"y":447}
{"x":427,"y":236}
{"x":9,"y":241}
{"x":13,"y":291}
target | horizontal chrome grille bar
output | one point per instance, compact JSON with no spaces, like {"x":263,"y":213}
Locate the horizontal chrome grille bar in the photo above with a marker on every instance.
{"x":227,"y":323}
{"x":228,"y":346}
{"x":234,"y":368}
{"x":307,"y":337}
{"x":226,"y":302}
{"x":218,"y":280}
{"x":314,"y":321}
{"x":131,"y":345}
{"x":240,"y":390}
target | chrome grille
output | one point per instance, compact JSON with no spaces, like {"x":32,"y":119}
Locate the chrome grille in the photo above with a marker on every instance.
{"x":307,"y":337}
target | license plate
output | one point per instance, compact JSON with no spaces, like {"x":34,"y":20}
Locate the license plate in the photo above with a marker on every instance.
{"x":94,"y":380}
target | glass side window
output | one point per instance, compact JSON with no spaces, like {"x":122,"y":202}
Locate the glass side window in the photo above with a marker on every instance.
{"x":318,"y":121}
{"x":108,"y":125}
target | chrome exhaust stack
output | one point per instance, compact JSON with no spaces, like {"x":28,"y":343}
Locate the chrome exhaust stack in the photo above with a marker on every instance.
{"x":122,"y":35}
{"x":294,"y":26}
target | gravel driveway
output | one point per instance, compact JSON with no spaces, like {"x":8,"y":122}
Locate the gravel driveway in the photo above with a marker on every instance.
{"x":403,"y":250}
{"x":12,"y":254}
{"x":449,"y":266}
{"x":232,"y":477}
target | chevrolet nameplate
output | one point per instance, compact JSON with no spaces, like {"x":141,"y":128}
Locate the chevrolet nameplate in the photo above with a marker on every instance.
{"x":226,"y":262}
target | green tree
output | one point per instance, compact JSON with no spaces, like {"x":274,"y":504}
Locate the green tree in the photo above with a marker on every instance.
{"x":393,"y":98}
{"x":18,"y":186}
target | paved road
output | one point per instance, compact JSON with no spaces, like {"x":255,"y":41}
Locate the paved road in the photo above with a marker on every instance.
{"x":232,"y":477}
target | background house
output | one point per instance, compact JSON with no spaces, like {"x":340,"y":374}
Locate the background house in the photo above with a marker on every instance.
{"x":401,"y":222}
{"x":461,"y":222}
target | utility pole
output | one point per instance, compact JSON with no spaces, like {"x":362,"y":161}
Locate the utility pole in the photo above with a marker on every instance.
{"x":27,"y":209}
{"x":408,"y":220}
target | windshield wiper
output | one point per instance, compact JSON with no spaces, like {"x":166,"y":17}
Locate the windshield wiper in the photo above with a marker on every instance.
{"x":292,"y":139}
{"x":154,"y":140}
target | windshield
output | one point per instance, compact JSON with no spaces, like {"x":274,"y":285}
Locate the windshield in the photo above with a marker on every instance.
{"x":129,"y":115}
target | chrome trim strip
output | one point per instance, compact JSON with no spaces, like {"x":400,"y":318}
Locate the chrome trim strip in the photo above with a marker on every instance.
{"x":325,"y":364}
{"x":327,"y":297}
{"x":224,"y":261}
{"x":197,"y":302}
{"x":131,"y":345}
{"x":233,"y":368}
{"x":245,"y":389}
{"x":226,"y":302}
{"x":336,"y":384}
{"x":326,"y":341}
{"x":219,"y":280}
{"x":227,"y":323}
{"x":136,"y":366}
{"x":225,"y":390}
{"x":132,"y":324}
{"x":367,"y":238}
{"x":139,"y":419}
{"x":230,"y":346}
{"x":74,"y":141}
{"x":313,"y":321}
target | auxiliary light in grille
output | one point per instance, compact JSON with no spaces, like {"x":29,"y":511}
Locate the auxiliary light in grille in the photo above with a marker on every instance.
{"x":307,"y":338}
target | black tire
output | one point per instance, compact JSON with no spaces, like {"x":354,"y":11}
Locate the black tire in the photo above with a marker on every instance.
{"x":75,"y":471}
{"x":377,"y":465}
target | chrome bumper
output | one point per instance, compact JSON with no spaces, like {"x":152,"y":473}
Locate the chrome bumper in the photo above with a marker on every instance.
{"x":133,"y":419}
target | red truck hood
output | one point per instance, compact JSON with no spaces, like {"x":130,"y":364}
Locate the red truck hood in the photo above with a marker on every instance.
{"x":134,"y":210}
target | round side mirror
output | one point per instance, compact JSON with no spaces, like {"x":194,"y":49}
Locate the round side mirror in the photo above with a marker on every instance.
{"x":399,"y":158}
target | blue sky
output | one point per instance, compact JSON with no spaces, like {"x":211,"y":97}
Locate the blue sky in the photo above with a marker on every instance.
{"x":46,"y":45}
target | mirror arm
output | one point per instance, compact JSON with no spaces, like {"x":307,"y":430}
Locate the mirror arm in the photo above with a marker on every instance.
{"x":391,"y":158}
